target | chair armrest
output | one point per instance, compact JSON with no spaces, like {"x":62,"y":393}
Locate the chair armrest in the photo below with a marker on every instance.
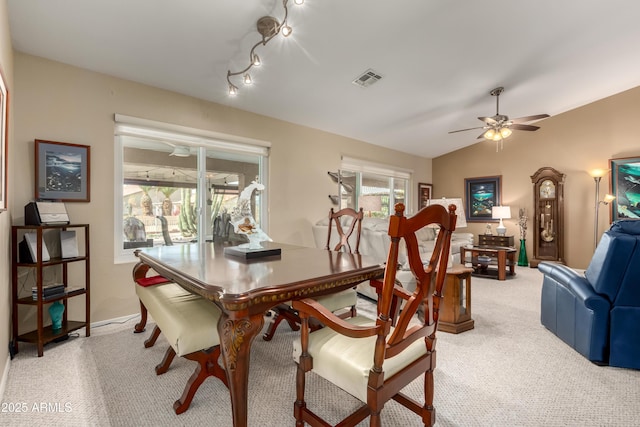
{"x":575,"y":283}
{"x":558,"y":272}
{"x":311,"y":308}
{"x":583,"y":290}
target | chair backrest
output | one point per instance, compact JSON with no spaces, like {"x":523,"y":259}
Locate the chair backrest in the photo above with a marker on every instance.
{"x":341,"y":219}
{"x":617,"y":251}
{"x":429,"y":275}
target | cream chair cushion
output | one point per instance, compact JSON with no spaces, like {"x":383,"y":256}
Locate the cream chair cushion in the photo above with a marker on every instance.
{"x":340,"y":300}
{"x":346,"y":362}
{"x":188,"y":322}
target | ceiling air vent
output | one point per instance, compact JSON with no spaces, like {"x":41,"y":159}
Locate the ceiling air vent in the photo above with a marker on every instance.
{"x":367,"y":78}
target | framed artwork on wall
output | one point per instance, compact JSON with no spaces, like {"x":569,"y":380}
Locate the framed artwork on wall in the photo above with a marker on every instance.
{"x":481,"y":194}
{"x":62,"y":171}
{"x":625,"y":186}
{"x":4,"y":135}
{"x":425,"y":192}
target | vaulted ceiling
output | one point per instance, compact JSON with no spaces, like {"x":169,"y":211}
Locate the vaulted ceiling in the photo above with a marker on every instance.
{"x":438,"y":59}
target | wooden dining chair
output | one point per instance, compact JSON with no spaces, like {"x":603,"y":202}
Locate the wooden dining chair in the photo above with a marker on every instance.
{"x":334,"y":302}
{"x":373,"y":360}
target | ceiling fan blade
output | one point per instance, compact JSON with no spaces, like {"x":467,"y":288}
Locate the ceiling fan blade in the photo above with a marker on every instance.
{"x":518,"y":126}
{"x":530,"y":118}
{"x":488,"y":120}
{"x":481,"y":136}
{"x":463,"y":130}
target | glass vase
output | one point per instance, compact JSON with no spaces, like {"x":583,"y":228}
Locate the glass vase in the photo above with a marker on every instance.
{"x":523,"y":261}
{"x":55,"y":311}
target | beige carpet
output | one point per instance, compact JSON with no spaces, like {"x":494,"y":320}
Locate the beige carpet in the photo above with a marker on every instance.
{"x":508,"y":371}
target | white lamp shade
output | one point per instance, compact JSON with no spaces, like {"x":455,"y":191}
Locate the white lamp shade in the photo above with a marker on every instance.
{"x":501,"y":212}
{"x":461,"y":221}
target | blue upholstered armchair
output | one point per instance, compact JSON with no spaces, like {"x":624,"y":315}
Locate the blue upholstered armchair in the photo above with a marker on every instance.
{"x":598,"y":313}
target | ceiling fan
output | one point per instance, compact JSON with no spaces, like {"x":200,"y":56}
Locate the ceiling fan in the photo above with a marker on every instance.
{"x":499,"y":127}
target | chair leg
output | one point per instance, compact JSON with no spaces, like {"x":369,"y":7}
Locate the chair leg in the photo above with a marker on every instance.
{"x":207,"y":366}
{"x":153,"y":337}
{"x":374,"y":419}
{"x":282,"y":312}
{"x":166,"y":361}
{"x":354,"y":312}
{"x":139,"y":327}
{"x":300,"y":406}
{"x":429,"y":412}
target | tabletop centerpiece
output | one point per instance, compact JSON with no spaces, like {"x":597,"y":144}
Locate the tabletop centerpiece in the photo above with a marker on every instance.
{"x":244,"y":223}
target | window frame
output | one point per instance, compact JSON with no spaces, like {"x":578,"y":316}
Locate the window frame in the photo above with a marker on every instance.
{"x":202,"y":139}
{"x":359,"y":167}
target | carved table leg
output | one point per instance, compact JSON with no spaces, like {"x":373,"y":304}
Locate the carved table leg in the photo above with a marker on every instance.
{"x":236,"y":336}
{"x":139,"y":272}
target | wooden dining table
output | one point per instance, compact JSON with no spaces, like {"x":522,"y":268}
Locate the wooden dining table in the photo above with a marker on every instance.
{"x":245,"y":289}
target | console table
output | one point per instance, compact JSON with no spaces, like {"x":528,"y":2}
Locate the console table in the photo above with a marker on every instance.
{"x":490,"y":261}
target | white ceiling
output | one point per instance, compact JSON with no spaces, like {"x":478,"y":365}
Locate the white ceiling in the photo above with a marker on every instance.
{"x":439,"y":59}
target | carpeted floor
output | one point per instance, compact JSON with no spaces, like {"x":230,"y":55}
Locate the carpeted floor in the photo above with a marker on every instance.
{"x":507,"y":371}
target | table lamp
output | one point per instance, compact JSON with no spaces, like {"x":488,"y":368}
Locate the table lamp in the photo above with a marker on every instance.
{"x":461,"y":220}
{"x":501,"y":212}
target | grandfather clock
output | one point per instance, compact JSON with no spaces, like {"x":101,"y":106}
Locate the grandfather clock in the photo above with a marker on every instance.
{"x":548,"y":217}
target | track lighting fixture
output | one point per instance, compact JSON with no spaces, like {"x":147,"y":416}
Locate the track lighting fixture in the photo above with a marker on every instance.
{"x":268,"y":27}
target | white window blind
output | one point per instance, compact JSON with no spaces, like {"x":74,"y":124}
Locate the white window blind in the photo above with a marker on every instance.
{"x":364,"y":166}
{"x":183,"y":135}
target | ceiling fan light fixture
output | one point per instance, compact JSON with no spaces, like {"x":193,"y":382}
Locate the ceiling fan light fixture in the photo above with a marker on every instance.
{"x":499,"y":127}
{"x":490,"y":134}
{"x":505,"y":132}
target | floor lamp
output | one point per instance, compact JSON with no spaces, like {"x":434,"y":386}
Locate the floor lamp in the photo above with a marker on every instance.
{"x":597,"y":175}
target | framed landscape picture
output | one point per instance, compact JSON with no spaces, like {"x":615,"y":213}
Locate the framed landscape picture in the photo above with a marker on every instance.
{"x":481,"y":194}
{"x":62,"y":171}
{"x":625,"y":186}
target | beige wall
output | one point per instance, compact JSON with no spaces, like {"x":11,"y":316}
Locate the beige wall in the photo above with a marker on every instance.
{"x":573,"y":143}
{"x":57,"y":102}
{"x":6,"y":65}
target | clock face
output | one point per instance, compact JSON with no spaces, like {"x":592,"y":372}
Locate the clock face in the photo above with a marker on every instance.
{"x":547,"y":189}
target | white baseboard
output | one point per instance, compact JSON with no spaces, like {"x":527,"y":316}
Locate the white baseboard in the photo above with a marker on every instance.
{"x":122,"y":319}
{"x":5,"y":376}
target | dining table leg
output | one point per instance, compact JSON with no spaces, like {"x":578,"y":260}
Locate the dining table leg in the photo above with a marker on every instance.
{"x":236,"y":337}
